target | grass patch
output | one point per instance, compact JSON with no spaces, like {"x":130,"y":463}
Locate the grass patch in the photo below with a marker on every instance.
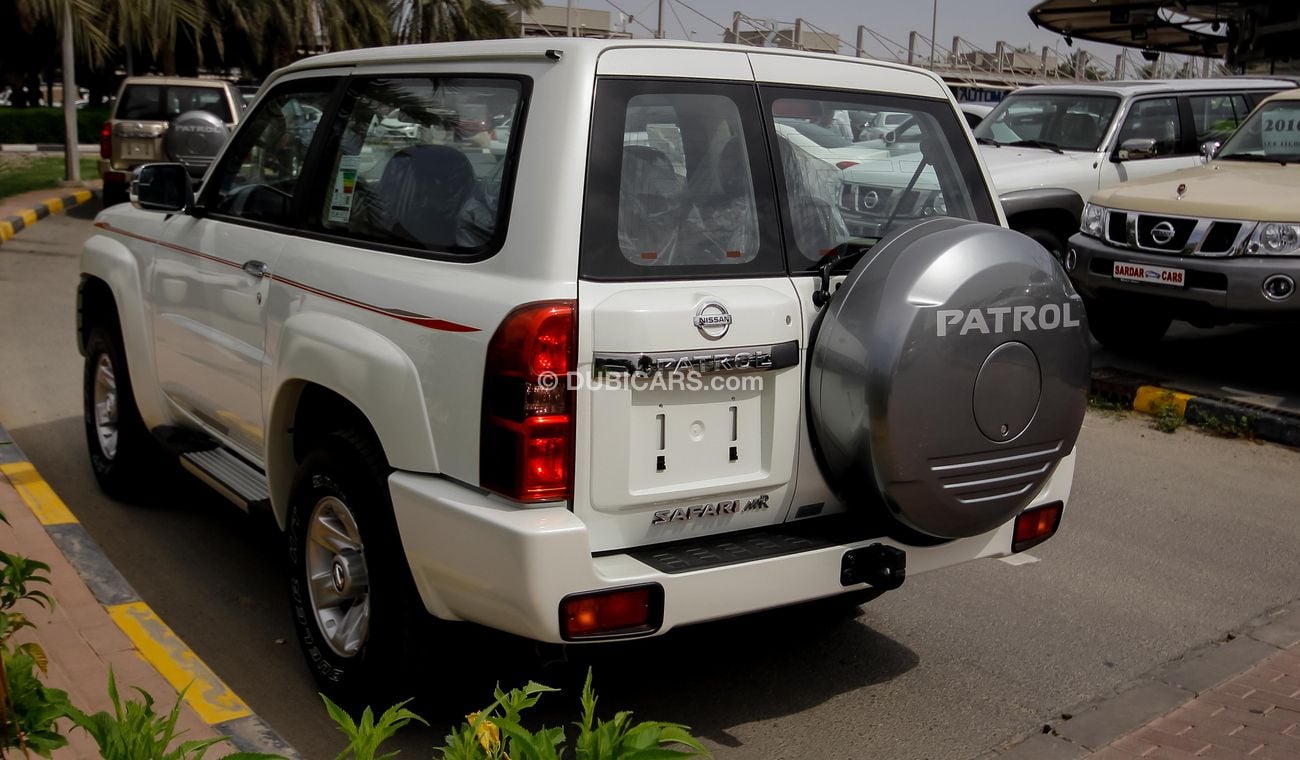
{"x":39,"y":173}
{"x":1167,"y":417}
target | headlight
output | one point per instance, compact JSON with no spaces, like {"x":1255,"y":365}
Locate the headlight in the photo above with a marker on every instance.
{"x":1275,"y":238}
{"x":1094,"y":221}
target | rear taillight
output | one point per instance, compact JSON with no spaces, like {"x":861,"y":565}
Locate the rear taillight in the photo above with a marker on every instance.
{"x":846,"y":164}
{"x":1034,"y":526}
{"x":526,"y":441}
{"x":106,"y":140}
{"x":610,"y":614}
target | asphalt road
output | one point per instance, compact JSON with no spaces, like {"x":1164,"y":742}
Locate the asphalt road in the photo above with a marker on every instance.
{"x":1170,"y":541}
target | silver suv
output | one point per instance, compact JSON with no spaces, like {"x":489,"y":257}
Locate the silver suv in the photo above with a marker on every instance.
{"x":165,"y":119}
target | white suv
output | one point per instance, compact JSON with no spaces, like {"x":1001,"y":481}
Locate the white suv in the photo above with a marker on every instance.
{"x":1049,"y":148}
{"x":619,"y":370}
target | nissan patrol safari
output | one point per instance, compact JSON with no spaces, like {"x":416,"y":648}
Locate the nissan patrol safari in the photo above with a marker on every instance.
{"x":165,"y":118}
{"x":1049,"y":148}
{"x":617,"y":371}
{"x":1211,"y":245}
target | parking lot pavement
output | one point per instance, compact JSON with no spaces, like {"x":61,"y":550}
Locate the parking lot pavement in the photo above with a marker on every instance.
{"x":98,"y":623}
{"x":1237,"y":697}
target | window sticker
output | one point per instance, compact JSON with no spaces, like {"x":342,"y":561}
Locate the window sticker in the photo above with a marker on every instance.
{"x":1281,"y":133}
{"x":345,"y":185}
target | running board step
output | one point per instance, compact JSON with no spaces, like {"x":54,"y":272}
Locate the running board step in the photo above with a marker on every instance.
{"x":751,"y":545}
{"x":234,"y":478}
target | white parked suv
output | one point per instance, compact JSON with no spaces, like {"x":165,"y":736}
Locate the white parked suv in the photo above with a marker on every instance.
{"x":1049,"y":148}
{"x":622,"y":371}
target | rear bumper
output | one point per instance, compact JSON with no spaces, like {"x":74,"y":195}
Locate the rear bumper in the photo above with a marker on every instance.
{"x":1217,"y":290}
{"x":480,"y":559}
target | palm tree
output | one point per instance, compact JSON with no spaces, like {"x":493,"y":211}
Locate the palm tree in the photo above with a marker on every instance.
{"x":447,"y":20}
{"x":157,"y":26}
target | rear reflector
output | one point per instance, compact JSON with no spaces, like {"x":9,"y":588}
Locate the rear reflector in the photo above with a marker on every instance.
{"x":611,"y":614}
{"x":106,"y":140}
{"x":1034,"y":526}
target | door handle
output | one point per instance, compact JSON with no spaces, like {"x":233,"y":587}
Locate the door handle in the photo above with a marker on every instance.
{"x":256,"y":268}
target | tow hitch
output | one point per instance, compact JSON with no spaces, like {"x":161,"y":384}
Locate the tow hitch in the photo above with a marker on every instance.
{"x":884,"y":567}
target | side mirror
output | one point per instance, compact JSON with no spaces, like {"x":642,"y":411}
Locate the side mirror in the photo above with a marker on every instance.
{"x":1135,"y":149}
{"x":1210,"y":149}
{"x":162,"y":187}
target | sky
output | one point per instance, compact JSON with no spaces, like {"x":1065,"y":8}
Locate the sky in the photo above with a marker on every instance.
{"x":979,"y":22}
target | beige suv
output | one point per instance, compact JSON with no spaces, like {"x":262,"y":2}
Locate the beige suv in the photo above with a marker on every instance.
{"x":1214,"y":244}
{"x":165,"y":119}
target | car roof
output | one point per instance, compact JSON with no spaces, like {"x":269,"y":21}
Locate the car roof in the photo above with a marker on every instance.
{"x":1285,"y":95}
{"x":187,"y":81}
{"x":1148,"y":86}
{"x":541,"y":47}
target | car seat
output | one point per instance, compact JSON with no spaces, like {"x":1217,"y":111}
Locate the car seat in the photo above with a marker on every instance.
{"x":422,"y":196}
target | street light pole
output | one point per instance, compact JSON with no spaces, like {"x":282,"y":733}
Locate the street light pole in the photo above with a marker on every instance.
{"x":934,"y":27}
{"x":72,"y":157}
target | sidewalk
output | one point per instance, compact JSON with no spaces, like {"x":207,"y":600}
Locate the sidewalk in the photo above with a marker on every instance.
{"x":98,"y":620}
{"x":1235,"y":699}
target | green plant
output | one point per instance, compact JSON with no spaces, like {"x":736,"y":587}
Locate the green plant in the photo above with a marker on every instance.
{"x":28,"y":709}
{"x":17,"y":575}
{"x":1168,"y":417}
{"x":495,"y":733}
{"x":366,"y":736}
{"x":1108,"y":406}
{"x":1232,"y":426}
{"x":133,"y":731}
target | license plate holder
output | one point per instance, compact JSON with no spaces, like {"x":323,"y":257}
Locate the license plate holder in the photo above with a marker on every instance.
{"x":1127,"y":271}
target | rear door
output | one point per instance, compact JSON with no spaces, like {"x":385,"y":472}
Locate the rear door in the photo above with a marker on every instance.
{"x":689,"y":374}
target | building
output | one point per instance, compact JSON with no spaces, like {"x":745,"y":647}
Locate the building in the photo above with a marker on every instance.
{"x":564,"y":21}
{"x":793,"y":38}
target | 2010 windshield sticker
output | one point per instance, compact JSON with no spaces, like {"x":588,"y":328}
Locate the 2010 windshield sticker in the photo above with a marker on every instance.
{"x":345,"y":185}
{"x":1281,"y":132}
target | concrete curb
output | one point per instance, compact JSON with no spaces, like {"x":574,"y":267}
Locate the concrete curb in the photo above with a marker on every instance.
{"x":1146,"y":394}
{"x":1078,"y":732}
{"x":12,"y":225}
{"x":43,"y":148}
{"x":209,"y":696}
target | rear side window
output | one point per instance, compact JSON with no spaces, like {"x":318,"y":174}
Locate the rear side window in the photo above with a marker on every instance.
{"x":156,"y":102}
{"x":678,"y":184}
{"x":424,"y":163}
{"x":887,"y":180}
{"x":1216,"y":116}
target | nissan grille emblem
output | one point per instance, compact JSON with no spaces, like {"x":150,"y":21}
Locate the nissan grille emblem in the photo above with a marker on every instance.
{"x":870,"y":199}
{"x":1162,"y":233}
{"x":712,"y":319}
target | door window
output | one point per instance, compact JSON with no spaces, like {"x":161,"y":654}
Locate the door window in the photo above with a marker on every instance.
{"x":425,"y":163}
{"x":684,"y":164}
{"x":1155,"y":119}
{"x":257,"y":178}
{"x":1216,"y":116}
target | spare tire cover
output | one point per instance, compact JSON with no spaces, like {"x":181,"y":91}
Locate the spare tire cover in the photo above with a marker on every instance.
{"x":194,"y":138}
{"x":948,"y":377}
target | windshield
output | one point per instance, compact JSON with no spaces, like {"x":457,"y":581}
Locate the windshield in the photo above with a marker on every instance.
{"x":1059,"y":120}
{"x":1272,"y":133}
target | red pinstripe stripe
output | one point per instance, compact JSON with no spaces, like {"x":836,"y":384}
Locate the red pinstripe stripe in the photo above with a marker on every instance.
{"x":432,"y":323}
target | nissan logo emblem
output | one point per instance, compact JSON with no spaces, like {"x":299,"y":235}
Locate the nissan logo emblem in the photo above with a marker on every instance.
{"x":870,"y":199}
{"x":1162,"y":233}
{"x":712,"y":319}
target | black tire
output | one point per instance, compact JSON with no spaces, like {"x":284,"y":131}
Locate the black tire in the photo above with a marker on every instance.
{"x":123,"y":455}
{"x":1125,"y":329}
{"x":349,"y":468}
{"x":1054,"y":243}
{"x":114,"y":193}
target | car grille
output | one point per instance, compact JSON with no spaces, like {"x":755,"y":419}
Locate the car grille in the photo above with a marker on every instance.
{"x":1183,"y":235}
{"x":1164,"y":233}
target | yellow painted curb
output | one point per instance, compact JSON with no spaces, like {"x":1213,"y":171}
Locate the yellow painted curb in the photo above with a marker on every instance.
{"x":29,"y":216}
{"x":1149,"y":397}
{"x":6,"y":231}
{"x":207,"y":694}
{"x":55,"y":205}
{"x":37,"y":494}
{"x":83,"y":195}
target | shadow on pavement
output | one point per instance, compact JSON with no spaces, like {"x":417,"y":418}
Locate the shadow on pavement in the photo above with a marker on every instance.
{"x":86,"y":210}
